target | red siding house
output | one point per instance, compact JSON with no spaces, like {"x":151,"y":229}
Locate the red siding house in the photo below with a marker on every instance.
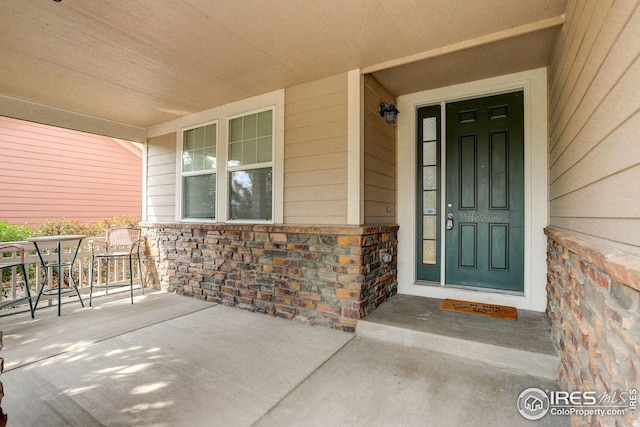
{"x":52,"y":173}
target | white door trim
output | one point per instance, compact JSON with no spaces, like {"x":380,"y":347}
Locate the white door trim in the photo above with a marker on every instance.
{"x":534,"y":85}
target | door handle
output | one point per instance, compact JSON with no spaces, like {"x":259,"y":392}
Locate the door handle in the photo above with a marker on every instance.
{"x":449,"y":224}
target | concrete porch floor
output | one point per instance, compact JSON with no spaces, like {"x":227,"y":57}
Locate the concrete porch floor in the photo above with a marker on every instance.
{"x":523,"y":345}
{"x":169,"y":360}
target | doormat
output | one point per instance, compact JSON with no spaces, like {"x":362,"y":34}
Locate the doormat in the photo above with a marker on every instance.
{"x":480,"y":309}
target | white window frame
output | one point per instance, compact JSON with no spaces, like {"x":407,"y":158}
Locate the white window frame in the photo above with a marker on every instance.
{"x":251,"y":166}
{"x":273,"y":100}
{"x":181,"y":210}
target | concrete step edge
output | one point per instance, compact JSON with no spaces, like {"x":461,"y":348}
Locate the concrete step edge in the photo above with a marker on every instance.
{"x":526,"y":362}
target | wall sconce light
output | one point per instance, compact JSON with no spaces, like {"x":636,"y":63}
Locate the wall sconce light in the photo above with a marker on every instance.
{"x":389,"y":112}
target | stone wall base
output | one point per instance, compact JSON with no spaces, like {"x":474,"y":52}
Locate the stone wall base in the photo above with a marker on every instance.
{"x":594,"y":305}
{"x":329,"y":276}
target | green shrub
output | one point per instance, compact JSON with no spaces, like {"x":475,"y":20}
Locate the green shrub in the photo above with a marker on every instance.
{"x":13,"y":233}
{"x":60,"y":227}
{"x":116,"y":221}
{"x":16,"y":233}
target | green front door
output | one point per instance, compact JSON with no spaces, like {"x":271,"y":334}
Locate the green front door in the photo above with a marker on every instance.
{"x":484,"y":216}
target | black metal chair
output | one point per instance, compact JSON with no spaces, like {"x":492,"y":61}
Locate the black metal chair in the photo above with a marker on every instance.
{"x":11,"y":262}
{"x":120,"y":243}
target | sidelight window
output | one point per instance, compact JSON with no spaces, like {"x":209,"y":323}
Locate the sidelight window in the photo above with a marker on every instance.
{"x":429,"y":192}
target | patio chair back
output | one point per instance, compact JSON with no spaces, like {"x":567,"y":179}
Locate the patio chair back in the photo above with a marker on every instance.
{"x":119,"y":237}
{"x":15,"y":249}
{"x":120,"y":243}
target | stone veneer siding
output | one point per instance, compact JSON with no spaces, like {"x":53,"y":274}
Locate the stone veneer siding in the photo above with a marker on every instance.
{"x":593,"y":297}
{"x":329,"y":276}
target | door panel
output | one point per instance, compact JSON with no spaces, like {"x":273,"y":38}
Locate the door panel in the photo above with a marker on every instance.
{"x":485,"y":192}
{"x":468,"y":245}
{"x":499,"y":247}
{"x":499,"y":171}
{"x":468,"y":181}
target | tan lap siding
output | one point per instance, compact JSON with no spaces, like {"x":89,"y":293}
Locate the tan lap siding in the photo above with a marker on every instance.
{"x":594,"y":122}
{"x":315,"y":153}
{"x":161,"y":178}
{"x":379,"y":157}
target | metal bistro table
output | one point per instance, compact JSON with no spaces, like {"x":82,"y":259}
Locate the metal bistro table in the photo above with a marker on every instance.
{"x":57,"y":264}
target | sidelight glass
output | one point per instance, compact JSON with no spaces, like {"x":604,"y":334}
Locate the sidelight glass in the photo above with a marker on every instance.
{"x":430,"y":187}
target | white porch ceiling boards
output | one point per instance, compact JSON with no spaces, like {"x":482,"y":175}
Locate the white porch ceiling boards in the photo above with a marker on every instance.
{"x":145,"y":62}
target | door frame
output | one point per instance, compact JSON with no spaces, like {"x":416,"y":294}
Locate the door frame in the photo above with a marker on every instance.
{"x":534,"y":85}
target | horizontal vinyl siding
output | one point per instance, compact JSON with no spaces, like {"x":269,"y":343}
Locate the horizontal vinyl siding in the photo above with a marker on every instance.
{"x":161,"y":178}
{"x":379,"y":157}
{"x":48,"y":173}
{"x":595,"y":122}
{"x":315,"y":152}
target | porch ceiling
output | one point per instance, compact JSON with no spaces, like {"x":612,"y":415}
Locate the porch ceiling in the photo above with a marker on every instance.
{"x":146,"y":62}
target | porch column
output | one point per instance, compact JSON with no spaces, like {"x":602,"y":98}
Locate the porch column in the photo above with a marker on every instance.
{"x":355,"y":148}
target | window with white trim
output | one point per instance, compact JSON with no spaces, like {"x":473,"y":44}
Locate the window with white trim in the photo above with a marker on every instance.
{"x":199,"y":167}
{"x":229,"y":162}
{"x":250,"y":167}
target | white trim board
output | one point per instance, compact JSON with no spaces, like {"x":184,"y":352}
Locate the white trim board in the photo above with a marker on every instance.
{"x":534,"y":85}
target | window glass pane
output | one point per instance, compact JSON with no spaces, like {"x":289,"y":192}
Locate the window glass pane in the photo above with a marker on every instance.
{"x":429,"y":178}
{"x":235,"y":129}
{"x":199,"y":194}
{"x":188,"y":139}
{"x":429,"y":230}
{"x":210,"y":132}
{"x":429,"y":252}
{"x":210,"y":158}
{"x":265,"y":123}
{"x":235,"y":154}
{"x":264,"y":149}
{"x":429,"y":153}
{"x":198,"y":160}
{"x":429,"y":129}
{"x":429,"y":202}
{"x":249,"y":152}
{"x":250,"y":126}
{"x":250,"y":194}
{"x":199,"y":140}
{"x":187,"y":161}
